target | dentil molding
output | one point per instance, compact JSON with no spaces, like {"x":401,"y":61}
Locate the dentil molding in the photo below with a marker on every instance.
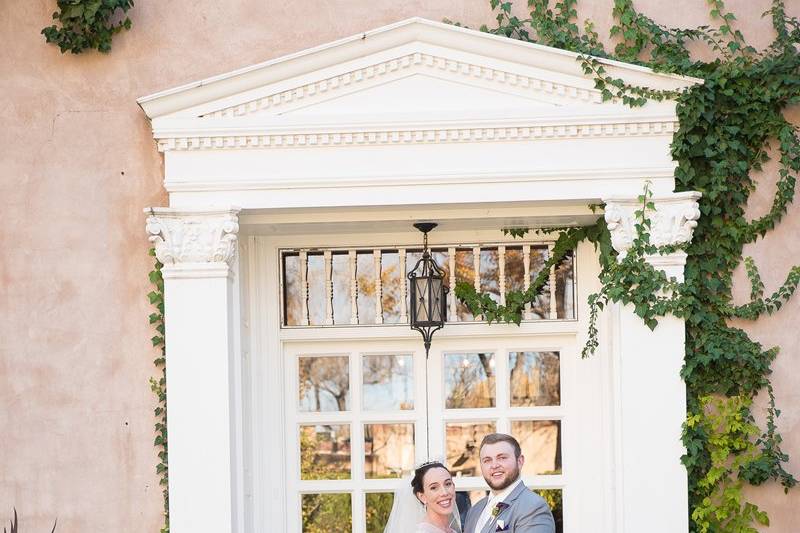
{"x":182,"y":236}
{"x":672,"y":222}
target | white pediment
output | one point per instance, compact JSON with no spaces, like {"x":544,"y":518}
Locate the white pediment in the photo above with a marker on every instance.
{"x":417,"y":103}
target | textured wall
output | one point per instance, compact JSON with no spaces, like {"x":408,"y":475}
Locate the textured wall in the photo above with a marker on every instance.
{"x":78,"y":164}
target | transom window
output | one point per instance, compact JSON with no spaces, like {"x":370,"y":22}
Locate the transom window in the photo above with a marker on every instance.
{"x":356,"y":286}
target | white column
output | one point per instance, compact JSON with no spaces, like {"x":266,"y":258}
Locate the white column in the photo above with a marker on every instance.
{"x":198,"y":250}
{"x":649,"y":394}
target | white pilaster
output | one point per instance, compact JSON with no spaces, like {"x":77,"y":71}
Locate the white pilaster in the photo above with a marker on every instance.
{"x":650,"y":396}
{"x":198,"y":250}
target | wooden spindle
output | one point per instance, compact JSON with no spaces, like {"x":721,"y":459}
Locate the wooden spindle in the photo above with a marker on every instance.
{"x":501,"y":273}
{"x":451,"y":256}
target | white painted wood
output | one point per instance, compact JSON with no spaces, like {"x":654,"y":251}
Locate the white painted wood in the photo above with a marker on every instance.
{"x":453,"y":302}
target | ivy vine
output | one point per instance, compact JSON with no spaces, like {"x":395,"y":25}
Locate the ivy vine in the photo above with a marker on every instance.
{"x":159,"y":385}
{"x":727,"y":126}
{"x":87,"y":24}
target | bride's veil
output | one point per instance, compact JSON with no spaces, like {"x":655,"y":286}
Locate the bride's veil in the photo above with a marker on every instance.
{"x":407,"y":511}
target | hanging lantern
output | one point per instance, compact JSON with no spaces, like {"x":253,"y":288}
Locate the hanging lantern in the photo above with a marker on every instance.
{"x":428,"y":292}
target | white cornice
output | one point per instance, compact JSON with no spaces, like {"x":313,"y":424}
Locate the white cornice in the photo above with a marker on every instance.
{"x":197,"y":135}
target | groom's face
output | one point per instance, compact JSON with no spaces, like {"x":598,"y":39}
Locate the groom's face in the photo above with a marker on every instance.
{"x":499,"y":466}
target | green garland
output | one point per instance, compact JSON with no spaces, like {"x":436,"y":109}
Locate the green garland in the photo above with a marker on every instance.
{"x":87,"y":24}
{"x":159,"y":386}
{"x":726,"y":126}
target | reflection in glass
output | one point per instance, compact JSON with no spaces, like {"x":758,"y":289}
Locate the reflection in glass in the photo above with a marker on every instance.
{"x":388,"y":450}
{"x":316,"y":289}
{"x":490,"y":273}
{"x":378,"y":508}
{"x":388,"y":382}
{"x":365,"y":275}
{"x":463,"y":440}
{"x":565,"y":287}
{"x":390,"y":286}
{"x":515,"y":269}
{"x":535,"y":378}
{"x":554,"y":500}
{"x":541,"y":445}
{"x":469,"y":380}
{"x":324,"y":513}
{"x":540,"y":308}
{"x":465,"y":271}
{"x":340,"y":275}
{"x":292,"y":301}
{"x":324,"y":383}
{"x":325,"y":451}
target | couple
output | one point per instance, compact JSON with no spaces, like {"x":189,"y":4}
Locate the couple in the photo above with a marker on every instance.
{"x":509,"y":507}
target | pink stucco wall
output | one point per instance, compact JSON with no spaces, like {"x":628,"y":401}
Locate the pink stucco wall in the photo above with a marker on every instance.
{"x":78,"y":164}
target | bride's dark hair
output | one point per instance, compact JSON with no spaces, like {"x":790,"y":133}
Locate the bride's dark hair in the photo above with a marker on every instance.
{"x":419,"y":474}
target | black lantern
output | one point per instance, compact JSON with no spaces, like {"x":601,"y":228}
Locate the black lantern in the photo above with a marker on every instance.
{"x":428,"y":292}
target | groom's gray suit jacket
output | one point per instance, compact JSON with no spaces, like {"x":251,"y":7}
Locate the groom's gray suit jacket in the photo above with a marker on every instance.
{"x":527,"y":512}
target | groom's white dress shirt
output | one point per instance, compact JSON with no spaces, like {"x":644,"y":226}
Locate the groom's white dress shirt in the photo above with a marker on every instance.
{"x":493,"y":500}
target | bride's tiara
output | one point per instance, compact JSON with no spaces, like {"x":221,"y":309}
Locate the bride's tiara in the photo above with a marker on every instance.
{"x":429,"y":463}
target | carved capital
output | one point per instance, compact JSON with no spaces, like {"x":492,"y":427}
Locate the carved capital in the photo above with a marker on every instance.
{"x":182,"y":236}
{"x":672,"y":222}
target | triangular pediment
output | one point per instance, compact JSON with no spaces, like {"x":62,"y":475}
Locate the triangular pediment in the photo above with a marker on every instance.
{"x":412,"y":66}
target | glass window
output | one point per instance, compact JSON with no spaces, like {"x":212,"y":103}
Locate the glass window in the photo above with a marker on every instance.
{"x":535,"y":378}
{"x":325,"y":451}
{"x":469,"y":380}
{"x":388,"y":450}
{"x":388,"y":382}
{"x":324,"y":513}
{"x":541,"y":445}
{"x":324,"y":383}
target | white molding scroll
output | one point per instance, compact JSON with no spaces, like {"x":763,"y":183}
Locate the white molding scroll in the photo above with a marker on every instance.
{"x":672,"y":222}
{"x":182,"y":236}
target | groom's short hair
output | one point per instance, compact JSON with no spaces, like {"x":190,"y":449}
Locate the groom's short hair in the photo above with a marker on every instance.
{"x":494,"y":438}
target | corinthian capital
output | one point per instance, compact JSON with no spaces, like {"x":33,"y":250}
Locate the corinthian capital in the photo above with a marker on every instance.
{"x":672,"y":222}
{"x":193,"y":236}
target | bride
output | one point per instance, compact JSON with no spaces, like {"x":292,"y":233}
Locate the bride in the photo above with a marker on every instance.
{"x":428,"y":505}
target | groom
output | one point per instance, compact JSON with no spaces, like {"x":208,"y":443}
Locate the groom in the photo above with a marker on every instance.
{"x":510,"y":506}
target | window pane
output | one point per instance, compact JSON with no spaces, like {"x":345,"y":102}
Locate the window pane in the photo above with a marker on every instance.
{"x":388,"y":450}
{"x":323,"y":513}
{"x":490,"y":273}
{"x":365,"y":274}
{"x":316,"y":289}
{"x":535,"y":378}
{"x":565,"y":287}
{"x":469,"y":380}
{"x":340,"y":263}
{"x":553,"y":499}
{"x":378,"y":508}
{"x":293,"y":303}
{"x":465,"y":271}
{"x":324,"y":383}
{"x":515,"y":269}
{"x":390,"y":287}
{"x":540,"y":307}
{"x":463,"y":440}
{"x":541,"y":445}
{"x":325,"y":452}
{"x":388,"y":382}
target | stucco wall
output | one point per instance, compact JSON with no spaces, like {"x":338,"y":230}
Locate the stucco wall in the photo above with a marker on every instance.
{"x":78,"y":164}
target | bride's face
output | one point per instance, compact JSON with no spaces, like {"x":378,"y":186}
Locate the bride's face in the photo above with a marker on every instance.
{"x":438,"y":491}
